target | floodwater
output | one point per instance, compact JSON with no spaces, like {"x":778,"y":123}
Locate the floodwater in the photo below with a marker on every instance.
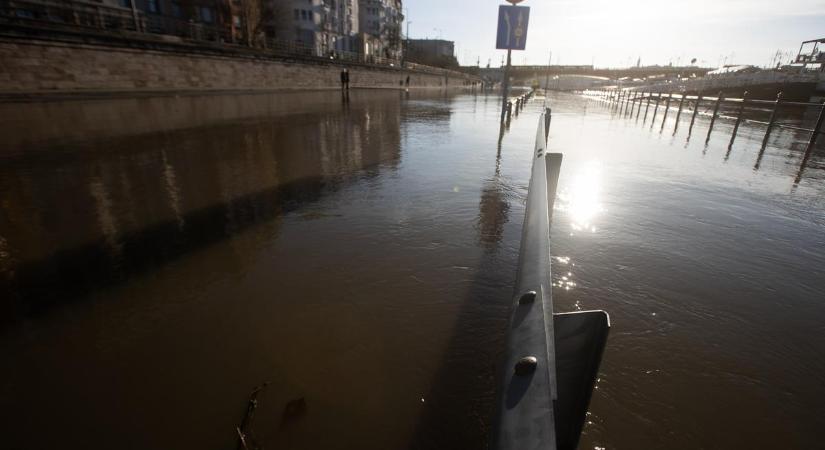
{"x":162,"y":257}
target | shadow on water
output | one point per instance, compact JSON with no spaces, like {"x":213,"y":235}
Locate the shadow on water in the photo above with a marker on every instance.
{"x":79,"y":219}
{"x":459,"y":405}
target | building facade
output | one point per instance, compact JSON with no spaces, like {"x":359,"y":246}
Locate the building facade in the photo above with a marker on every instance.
{"x":327,"y":26}
{"x":380,"y":32}
{"x":322,"y":27}
{"x":434,"y":52}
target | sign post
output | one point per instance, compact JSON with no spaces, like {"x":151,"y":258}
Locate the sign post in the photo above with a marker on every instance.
{"x":512,"y":35}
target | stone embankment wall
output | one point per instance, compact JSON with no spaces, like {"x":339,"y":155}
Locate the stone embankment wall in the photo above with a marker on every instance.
{"x":40,"y":64}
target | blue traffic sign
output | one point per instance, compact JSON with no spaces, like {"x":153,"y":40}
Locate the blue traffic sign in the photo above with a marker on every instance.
{"x":512,"y":27}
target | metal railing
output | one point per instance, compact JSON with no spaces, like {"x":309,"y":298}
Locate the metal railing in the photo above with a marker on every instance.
{"x":550,"y":360}
{"x":740,"y":110}
{"x":627,"y":101}
{"x":529,"y":380}
{"x":100,"y":18}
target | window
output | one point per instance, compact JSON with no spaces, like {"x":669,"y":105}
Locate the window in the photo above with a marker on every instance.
{"x":126,"y":3}
{"x":236,"y":21}
{"x":152,"y":6}
{"x":176,"y":11}
{"x":297,"y":14}
{"x":303,"y":14}
{"x":206,"y":14}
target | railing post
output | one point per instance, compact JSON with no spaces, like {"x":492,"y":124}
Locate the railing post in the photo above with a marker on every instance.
{"x":656,"y":109}
{"x":679,"y":113}
{"x":624,"y":102}
{"x":649,"y":96}
{"x":509,"y":111}
{"x":547,"y":115}
{"x":695,"y":111}
{"x":815,"y":132}
{"x":639,"y":108}
{"x":715,"y":112}
{"x":738,"y":119}
{"x":630,"y":99}
{"x":667,"y":109}
{"x":772,"y":119}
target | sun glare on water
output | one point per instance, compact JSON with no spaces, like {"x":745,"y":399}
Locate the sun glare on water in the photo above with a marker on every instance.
{"x":581,"y":199}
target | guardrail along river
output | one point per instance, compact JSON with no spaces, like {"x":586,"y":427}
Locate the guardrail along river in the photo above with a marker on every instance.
{"x":161,"y":257}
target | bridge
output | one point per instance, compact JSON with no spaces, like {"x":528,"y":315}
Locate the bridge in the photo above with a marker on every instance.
{"x":525,"y":73}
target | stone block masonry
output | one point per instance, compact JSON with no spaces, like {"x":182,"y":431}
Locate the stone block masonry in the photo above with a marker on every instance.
{"x":71,"y":64}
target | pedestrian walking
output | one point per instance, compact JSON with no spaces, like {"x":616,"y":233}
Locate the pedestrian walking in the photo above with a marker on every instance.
{"x":345,"y":80}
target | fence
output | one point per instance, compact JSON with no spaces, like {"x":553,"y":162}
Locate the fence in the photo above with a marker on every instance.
{"x":100,"y":18}
{"x":628,"y":102}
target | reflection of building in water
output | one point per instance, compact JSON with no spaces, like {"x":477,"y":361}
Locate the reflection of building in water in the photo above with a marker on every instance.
{"x":103,"y":209}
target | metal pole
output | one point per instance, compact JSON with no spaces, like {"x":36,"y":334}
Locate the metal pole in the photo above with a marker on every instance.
{"x":667,"y":108}
{"x":656,"y":109}
{"x":695,"y":111}
{"x":809,"y":150}
{"x":715,"y":112}
{"x":620,"y":104}
{"x":627,"y":101}
{"x":649,"y":96}
{"x":773,"y":118}
{"x":639,"y":109}
{"x":816,"y":129}
{"x":679,"y":113}
{"x":504,"y":85}
{"x":738,"y":119}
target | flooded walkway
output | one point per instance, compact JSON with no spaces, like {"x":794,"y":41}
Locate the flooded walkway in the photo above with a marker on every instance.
{"x":161,"y":257}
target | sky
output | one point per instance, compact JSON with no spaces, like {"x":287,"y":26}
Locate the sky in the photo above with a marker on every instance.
{"x":617,"y":33}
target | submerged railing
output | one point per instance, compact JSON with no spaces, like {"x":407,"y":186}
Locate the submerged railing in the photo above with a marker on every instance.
{"x":630,"y":103}
{"x":627,"y":101}
{"x":551,"y":360}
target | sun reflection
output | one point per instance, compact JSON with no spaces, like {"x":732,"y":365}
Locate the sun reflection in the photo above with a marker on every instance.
{"x":581,"y":199}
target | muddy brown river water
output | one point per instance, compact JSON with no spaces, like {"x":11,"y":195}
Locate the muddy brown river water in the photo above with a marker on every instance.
{"x":161,"y":257}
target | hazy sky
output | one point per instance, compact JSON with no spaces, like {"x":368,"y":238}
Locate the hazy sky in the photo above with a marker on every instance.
{"x":613,"y":33}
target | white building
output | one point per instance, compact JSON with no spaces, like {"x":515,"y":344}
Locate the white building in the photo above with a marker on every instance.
{"x":380,"y":27}
{"x":328,"y":26}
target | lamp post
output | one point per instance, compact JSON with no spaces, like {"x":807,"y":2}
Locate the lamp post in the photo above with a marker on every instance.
{"x":405,"y":44}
